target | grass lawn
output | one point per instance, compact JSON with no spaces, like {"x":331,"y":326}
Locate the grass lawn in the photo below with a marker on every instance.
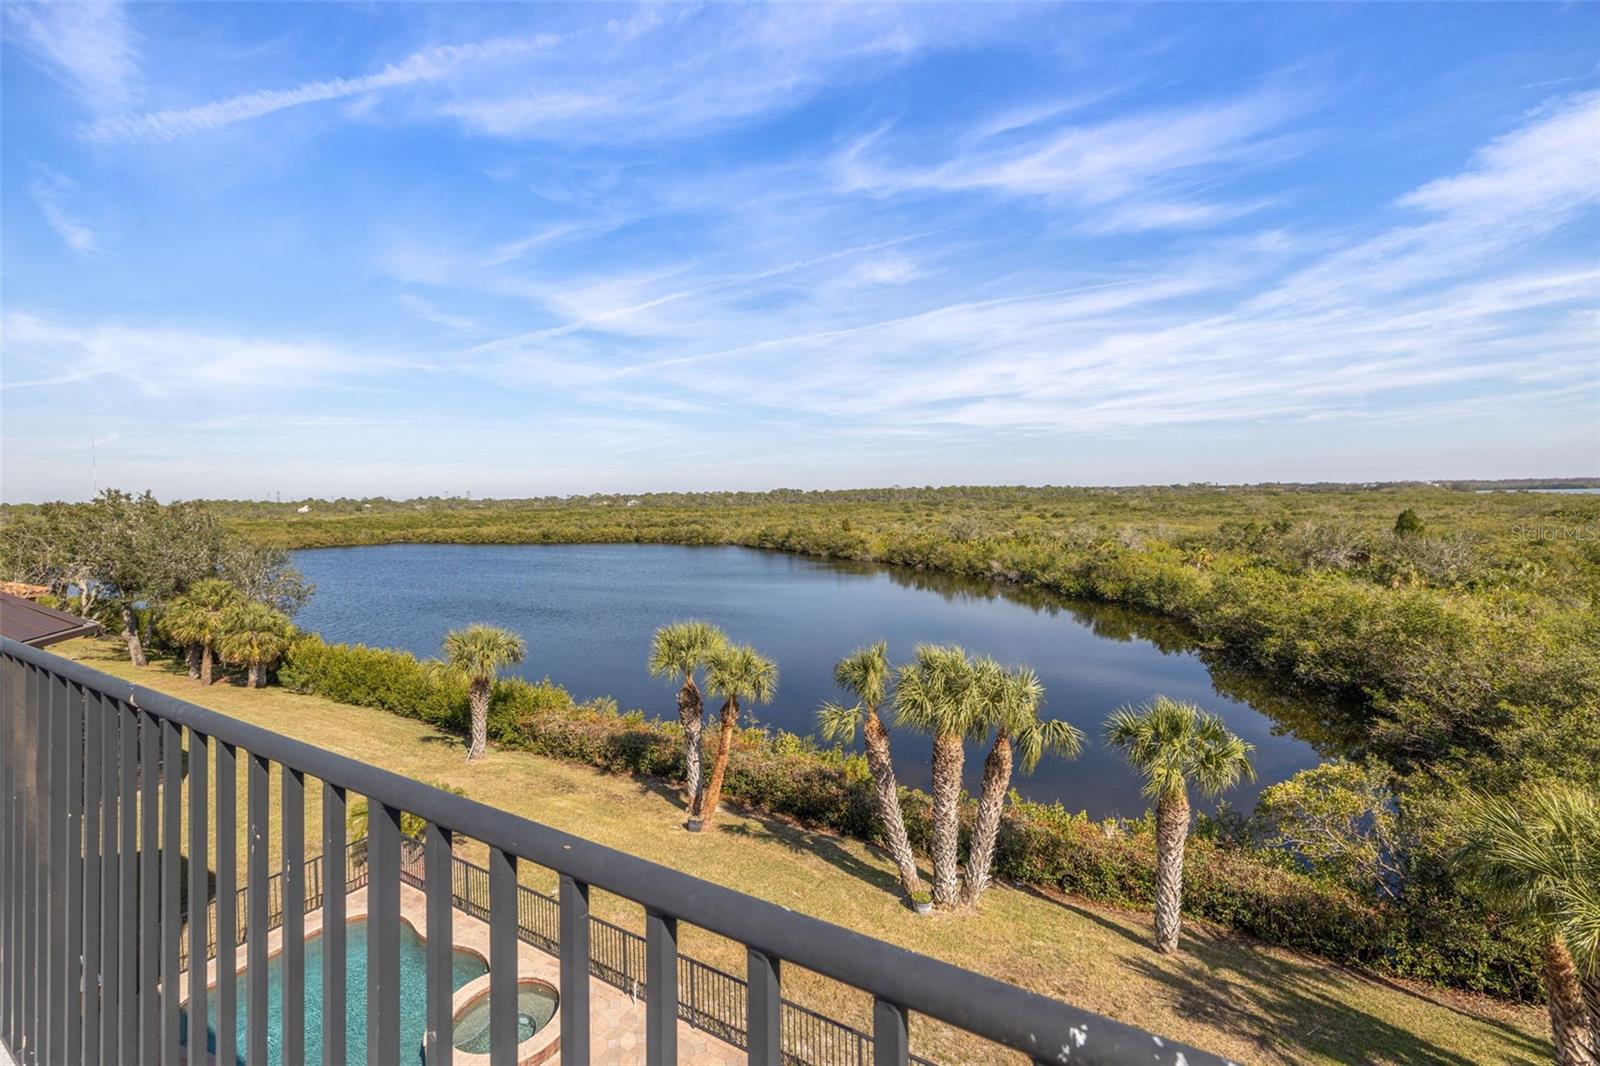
{"x":1251,"y":1003}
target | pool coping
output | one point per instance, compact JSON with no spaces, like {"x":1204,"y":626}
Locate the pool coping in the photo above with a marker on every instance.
{"x":537,"y":1049}
{"x":611,"y":1010}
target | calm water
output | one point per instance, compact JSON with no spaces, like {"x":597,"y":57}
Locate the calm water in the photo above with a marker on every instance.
{"x":413,"y":997}
{"x":587,"y":613}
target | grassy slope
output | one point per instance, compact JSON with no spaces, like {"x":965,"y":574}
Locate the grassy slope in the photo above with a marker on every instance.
{"x":1251,"y":1003}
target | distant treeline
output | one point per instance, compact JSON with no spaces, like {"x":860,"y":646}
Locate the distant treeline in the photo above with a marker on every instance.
{"x":993,"y":494}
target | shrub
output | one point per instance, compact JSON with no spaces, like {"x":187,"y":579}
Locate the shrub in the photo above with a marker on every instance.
{"x":1431,"y":934}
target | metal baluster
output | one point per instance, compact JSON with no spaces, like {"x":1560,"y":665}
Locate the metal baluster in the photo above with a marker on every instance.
{"x":890,"y":1034}
{"x":763,"y":1008}
{"x":12,"y":710}
{"x":93,"y":870}
{"x":503,"y":958}
{"x":128,"y":893}
{"x":171,"y":881}
{"x":199,"y":888}
{"x":54,"y":911}
{"x":294,"y":917}
{"x":574,"y":972}
{"x":661,"y":989}
{"x":257,"y":787}
{"x":227,"y":904}
{"x":28,"y":877}
{"x":75,"y":986}
{"x":333,"y":928}
{"x":149,"y":955}
{"x":38,"y":853}
{"x":437,"y":868}
{"x":383,"y":933}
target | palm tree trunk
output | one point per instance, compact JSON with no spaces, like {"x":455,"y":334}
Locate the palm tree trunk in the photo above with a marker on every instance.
{"x":1591,"y":998}
{"x":713,"y":792}
{"x":252,"y":677}
{"x":991,"y":800}
{"x":691,"y":712}
{"x":206,"y":656}
{"x":1570,"y":1022}
{"x":130,"y":633}
{"x":948,"y":756}
{"x":478,"y":697}
{"x":881,"y":763}
{"x":1172,"y":833}
{"x":193,"y":656}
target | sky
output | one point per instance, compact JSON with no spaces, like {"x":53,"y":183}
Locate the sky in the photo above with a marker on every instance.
{"x":520,"y":250}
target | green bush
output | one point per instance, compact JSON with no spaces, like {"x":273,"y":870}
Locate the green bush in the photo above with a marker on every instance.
{"x":1433,"y":935}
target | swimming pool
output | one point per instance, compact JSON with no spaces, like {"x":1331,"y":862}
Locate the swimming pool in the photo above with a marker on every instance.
{"x":413,"y":996}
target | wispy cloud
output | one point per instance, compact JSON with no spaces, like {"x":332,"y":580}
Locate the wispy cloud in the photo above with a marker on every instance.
{"x":428,"y":65}
{"x":1410,"y":313}
{"x":91,"y":47}
{"x":50,"y":191}
{"x":1135,"y":170}
{"x":607,"y":81}
{"x":157,"y":361}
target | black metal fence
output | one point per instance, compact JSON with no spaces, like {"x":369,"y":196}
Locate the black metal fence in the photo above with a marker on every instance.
{"x":104,"y":789}
{"x":709,"y":999}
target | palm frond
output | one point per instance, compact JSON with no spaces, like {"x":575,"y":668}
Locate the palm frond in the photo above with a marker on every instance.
{"x":1536,"y":855}
{"x":740,"y":672}
{"x":479,"y":650}
{"x":680,"y":648}
{"x":866,"y":673}
{"x":838,"y":722}
{"x":1173,"y":743}
{"x":1055,"y":736}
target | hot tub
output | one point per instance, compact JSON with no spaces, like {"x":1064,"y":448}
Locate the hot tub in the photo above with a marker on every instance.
{"x":538,"y":1027}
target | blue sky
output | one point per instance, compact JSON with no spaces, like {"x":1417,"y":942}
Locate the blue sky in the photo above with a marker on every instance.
{"x":515,"y":250}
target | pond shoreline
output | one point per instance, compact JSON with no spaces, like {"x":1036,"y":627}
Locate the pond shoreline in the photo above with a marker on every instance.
{"x":587,"y":612}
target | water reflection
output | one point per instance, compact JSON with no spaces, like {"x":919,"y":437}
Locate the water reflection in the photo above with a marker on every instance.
{"x":587,"y":613}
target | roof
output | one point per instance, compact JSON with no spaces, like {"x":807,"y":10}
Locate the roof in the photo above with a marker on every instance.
{"x":33,"y":623}
{"x":23,"y":589}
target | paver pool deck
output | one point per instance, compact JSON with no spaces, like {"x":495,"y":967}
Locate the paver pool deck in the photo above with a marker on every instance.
{"x":616,"y":1020}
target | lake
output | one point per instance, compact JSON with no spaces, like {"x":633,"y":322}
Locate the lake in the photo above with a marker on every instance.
{"x":587,"y":613}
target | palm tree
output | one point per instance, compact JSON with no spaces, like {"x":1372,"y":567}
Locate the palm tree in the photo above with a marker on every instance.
{"x":865,"y":673}
{"x":677,"y":651}
{"x":1011,"y":704}
{"x":195,"y":620}
{"x":735,"y":673}
{"x":477,"y":652}
{"x":184,"y":622}
{"x":1173,"y":744}
{"x":1540,"y":859}
{"x":254,"y":636}
{"x":938,"y":693}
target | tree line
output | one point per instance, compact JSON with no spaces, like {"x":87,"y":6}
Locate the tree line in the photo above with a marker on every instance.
{"x":148,"y":570}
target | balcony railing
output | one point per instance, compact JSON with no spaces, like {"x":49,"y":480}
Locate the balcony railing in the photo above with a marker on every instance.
{"x":104,"y":794}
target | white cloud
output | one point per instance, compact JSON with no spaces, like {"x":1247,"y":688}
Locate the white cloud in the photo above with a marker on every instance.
{"x":89,"y":46}
{"x":50,"y":191}
{"x":428,"y":65}
{"x":1423,"y":313}
{"x":1132,"y":172}
{"x":158,"y":361}
{"x":887,"y":270}
{"x":1549,"y":164}
{"x":611,"y":81}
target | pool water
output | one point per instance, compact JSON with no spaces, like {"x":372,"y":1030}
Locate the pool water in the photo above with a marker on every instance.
{"x":413,"y":997}
{"x":536,"y":1005}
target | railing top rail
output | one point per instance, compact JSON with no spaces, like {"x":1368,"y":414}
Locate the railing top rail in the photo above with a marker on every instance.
{"x":1046,"y":1029}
